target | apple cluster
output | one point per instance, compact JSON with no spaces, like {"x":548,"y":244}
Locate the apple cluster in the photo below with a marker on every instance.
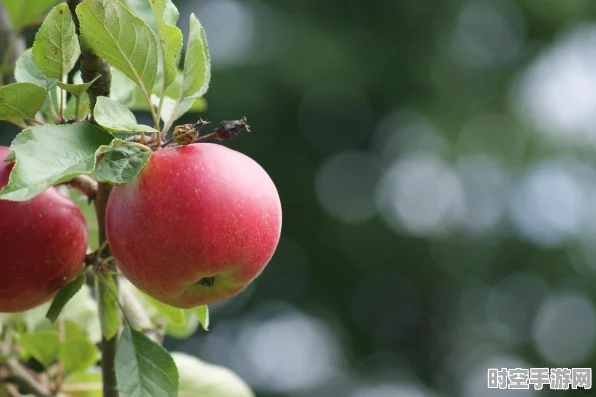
{"x":196,"y":226}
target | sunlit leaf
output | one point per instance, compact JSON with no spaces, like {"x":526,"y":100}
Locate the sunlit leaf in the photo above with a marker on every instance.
{"x":56,"y":48}
{"x":202,"y":313}
{"x":197,"y":61}
{"x":115,"y":117}
{"x":51,"y":154}
{"x":44,"y":346}
{"x":21,"y":101}
{"x":113,"y":32}
{"x":172,"y":314}
{"x":170,"y":37}
{"x":77,"y":354}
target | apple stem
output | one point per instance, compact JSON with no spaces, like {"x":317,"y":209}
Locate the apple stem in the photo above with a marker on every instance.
{"x":84,"y":184}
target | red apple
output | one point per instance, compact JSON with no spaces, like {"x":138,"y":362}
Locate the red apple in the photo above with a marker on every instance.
{"x":196,"y":226}
{"x":43,"y":243}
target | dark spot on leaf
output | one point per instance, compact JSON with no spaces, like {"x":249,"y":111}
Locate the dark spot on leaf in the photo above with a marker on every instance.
{"x":61,"y":11}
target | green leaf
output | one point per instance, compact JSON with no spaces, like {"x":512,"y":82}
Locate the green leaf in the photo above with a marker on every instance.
{"x":26,"y":71}
{"x":10,"y":158}
{"x":115,"y":117}
{"x":114,"y":33}
{"x":77,"y":89}
{"x":50,"y":154}
{"x":123,"y":164}
{"x":202,"y":313}
{"x":144,"y":368}
{"x":63,"y":296}
{"x":172,"y":314}
{"x":44,"y":346}
{"x":56,"y":47}
{"x":77,"y":355}
{"x":109,"y":310}
{"x":126,"y":92}
{"x":197,"y":62}
{"x":198,"y":378}
{"x":166,"y":14}
{"x":186,"y":330}
{"x":24,"y":12}
{"x":21,"y":101}
{"x":143,"y":10}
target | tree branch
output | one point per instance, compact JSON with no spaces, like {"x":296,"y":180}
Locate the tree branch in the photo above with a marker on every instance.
{"x":84,"y":184}
{"x":21,"y":376}
{"x":91,"y":66}
{"x":108,"y":347}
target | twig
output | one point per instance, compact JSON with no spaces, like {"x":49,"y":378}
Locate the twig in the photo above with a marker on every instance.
{"x":84,"y":184}
{"x":22,"y":376}
{"x":189,"y":133}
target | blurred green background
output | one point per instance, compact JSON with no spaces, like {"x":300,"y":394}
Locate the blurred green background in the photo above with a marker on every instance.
{"x":435,"y":162}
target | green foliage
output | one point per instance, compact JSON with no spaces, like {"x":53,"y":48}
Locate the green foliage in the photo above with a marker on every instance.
{"x":26,"y":71}
{"x":190,"y":326}
{"x":202,"y":313}
{"x":50,"y":154}
{"x":108,"y":307}
{"x":24,"y":12}
{"x":44,"y":346}
{"x":21,"y":101}
{"x":115,"y":117}
{"x":77,"y":89}
{"x":111,"y":31}
{"x":198,"y":378}
{"x":197,"y":62}
{"x":56,"y":47}
{"x":122,"y":164}
{"x":145,"y":77}
{"x":77,"y":354}
{"x":166,"y":16}
{"x":144,"y":368}
{"x":172,"y":314}
{"x":63,"y":296}
{"x":126,"y":92}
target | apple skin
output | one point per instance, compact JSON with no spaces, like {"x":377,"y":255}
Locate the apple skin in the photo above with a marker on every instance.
{"x":194,"y":212}
{"x":43,"y":243}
